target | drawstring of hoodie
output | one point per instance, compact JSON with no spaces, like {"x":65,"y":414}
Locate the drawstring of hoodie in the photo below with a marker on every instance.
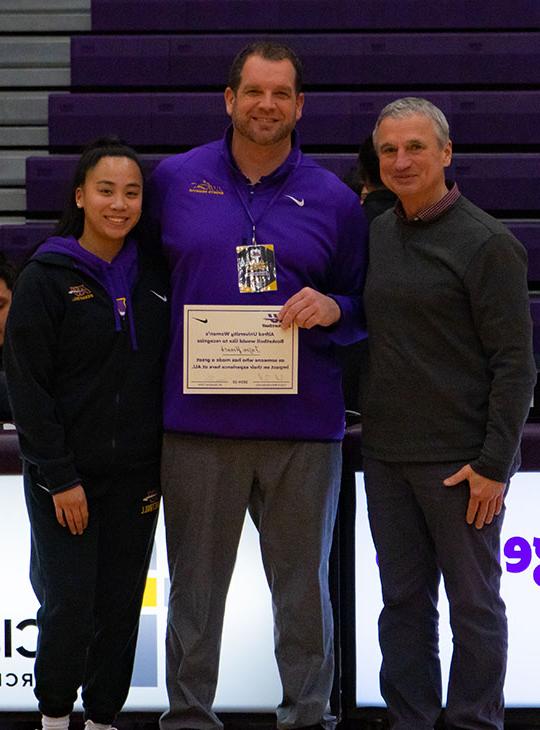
{"x":122,"y":304}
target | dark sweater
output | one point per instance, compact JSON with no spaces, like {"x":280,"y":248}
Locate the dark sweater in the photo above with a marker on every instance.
{"x":451,"y":371}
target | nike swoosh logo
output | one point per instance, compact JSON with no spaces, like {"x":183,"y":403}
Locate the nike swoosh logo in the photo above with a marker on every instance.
{"x":204,"y":321}
{"x":298,"y":201}
{"x":159,"y":296}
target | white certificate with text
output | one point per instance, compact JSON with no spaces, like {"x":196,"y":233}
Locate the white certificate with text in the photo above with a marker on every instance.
{"x":238,"y":349}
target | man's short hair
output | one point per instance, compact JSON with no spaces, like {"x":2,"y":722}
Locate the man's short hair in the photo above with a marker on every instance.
{"x":270,"y":51}
{"x":409,"y":105}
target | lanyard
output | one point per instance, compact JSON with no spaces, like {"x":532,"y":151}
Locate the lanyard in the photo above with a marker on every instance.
{"x":255,"y":222}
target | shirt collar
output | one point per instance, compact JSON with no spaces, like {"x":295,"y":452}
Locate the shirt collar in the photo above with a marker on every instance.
{"x":433,"y":211}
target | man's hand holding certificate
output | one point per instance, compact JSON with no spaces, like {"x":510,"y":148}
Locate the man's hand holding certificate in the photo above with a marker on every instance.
{"x":308,"y":308}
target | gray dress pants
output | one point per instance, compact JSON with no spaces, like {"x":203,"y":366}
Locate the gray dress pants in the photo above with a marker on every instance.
{"x":420,"y":532}
{"x":291,"y":491}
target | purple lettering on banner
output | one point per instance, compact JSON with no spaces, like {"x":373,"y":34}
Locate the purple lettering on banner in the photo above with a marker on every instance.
{"x":518,"y":549}
{"x":536,"y":572}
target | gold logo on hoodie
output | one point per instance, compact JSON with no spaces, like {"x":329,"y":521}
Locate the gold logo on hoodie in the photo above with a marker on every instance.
{"x":205,"y":188}
{"x":79,"y":293}
{"x":150,"y":502}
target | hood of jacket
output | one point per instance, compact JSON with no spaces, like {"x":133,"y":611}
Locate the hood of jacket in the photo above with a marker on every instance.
{"x":117,"y":277}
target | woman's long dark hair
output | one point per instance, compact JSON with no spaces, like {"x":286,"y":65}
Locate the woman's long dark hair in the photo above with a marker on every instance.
{"x":71,"y":222}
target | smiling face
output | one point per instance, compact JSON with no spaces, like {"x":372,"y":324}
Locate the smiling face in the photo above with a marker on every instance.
{"x":111,"y":197}
{"x":412,"y":160}
{"x":265,"y":108}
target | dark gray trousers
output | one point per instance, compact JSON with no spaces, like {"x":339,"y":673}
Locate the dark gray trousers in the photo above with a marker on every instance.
{"x":419,"y":530}
{"x":291,"y":490}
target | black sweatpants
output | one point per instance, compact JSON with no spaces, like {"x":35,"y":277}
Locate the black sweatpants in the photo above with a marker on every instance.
{"x":90,"y":588}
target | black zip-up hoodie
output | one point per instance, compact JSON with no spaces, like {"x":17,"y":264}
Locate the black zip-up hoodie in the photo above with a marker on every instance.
{"x":85,"y":385}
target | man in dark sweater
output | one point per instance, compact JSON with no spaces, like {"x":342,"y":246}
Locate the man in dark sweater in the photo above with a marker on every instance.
{"x":450,"y":384}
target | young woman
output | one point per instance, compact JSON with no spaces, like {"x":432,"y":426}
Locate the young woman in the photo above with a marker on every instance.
{"x":83,"y":357}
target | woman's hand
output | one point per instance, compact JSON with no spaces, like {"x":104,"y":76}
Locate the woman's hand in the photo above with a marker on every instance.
{"x":72,"y":509}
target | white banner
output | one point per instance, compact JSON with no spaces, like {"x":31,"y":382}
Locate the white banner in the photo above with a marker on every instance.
{"x":520,"y":560}
{"x":248,"y":681}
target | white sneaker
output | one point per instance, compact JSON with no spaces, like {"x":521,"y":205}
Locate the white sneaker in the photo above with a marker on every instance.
{"x":57,"y":723}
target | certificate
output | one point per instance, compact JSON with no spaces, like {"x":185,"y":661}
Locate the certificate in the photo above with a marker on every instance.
{"x":238,"y":349}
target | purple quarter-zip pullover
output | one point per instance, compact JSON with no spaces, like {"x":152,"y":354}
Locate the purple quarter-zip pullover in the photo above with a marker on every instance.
{"x":205,"y":208}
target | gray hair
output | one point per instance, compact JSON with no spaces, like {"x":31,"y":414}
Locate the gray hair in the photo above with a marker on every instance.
{"x":409,"y":105}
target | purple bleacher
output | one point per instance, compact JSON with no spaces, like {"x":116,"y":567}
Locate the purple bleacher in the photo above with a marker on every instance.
{"x":235,"y":15}
{"x":502,"y":182}
{"x":140,"y":119}
{"x":338,"y":164}
{"x":104,"y":61}
{"x":187,"y":119}
{"x":499,"y":181}
{"x":18,"y":241}
{"x":333,"y":58}
{"x":494,"y":117}
{"x":343,"y":118}
{"x":74,"y":119}
{"x":528,"y":232}
{"x":48,"y":180}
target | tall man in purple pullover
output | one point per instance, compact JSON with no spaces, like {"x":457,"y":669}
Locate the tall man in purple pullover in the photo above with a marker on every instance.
{"x":276,"y":455}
